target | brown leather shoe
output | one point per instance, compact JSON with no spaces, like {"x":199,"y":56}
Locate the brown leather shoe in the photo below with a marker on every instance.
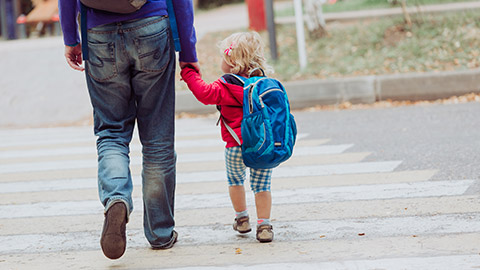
{"x":242,"y":224}
{"x":265,"y":233}
{"x":114,"y":240}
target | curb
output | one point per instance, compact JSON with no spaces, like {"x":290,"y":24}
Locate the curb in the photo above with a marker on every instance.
{"x":364,"y":89}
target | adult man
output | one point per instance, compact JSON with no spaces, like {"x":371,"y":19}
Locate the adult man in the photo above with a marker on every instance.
{"x":130,"y":74}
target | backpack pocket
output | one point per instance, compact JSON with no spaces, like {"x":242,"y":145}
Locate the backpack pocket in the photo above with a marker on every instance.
{"x":254,"y":132}
{"x":293,"y":131}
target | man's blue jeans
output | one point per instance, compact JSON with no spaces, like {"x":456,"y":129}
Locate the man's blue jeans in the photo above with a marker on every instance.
{"x":130,"y":76}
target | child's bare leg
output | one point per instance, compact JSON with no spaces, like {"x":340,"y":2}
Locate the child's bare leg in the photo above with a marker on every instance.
{"x":237,"y":196}
{"x":263,"y":203}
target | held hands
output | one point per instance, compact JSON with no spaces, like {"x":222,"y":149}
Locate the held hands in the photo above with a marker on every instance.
{"x":193,"y":65}
{"x":74,"y":57}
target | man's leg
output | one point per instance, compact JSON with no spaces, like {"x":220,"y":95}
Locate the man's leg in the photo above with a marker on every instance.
{"x":114,"y":118}
{"x":153,"y":82}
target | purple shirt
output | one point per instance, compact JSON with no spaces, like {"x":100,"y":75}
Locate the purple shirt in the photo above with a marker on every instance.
{"x":69,"y":10}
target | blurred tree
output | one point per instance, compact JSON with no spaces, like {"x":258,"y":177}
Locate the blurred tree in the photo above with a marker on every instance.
{"x":314,"y":18}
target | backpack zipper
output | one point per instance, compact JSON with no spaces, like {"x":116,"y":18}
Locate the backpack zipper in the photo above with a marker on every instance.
{"x":267,"y":92}
{"x":250,"y":94}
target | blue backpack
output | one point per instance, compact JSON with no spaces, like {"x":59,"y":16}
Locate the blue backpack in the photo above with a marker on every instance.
{"x":268,"y":128}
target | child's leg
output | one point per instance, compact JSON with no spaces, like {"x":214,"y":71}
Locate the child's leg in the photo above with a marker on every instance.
{"x":236,"y":177}
{"x":260,"y":182}
{"x":237,"y":196}
{"x":263,"y":203}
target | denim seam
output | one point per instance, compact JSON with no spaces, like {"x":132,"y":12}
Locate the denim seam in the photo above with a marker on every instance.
{"x":144,"y":25}
{"x":128,"y":29}
{"x":168,"y":244}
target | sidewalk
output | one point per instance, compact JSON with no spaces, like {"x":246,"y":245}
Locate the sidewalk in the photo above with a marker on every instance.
{"x":39,"y":89}
{"x":360,"y":89}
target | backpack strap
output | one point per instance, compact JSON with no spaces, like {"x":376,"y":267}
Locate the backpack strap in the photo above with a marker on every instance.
{"x":236,"y":80}
{"x":255,"y":69}
{"x":83,"y":31}
{"x":173,"y":25}
{"x":231,"y":131}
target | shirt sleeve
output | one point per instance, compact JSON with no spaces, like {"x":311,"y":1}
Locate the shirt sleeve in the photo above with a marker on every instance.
{"x":68,"y":10}
{"x":208,"y":94}
{"x":186,"y":30}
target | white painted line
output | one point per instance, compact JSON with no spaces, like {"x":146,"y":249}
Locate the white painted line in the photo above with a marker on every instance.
{"x":299,"y":171}
{"x":53,"y":136}
{"x":437,"y":263}
{"x":136,"y":160}
{"x":220,"y":234}
{"x":179,"y":144}
{"x":309,"y":195}
{"x":50,"y":185}
{"x":46,"y":141}
{"x":208,"y":176}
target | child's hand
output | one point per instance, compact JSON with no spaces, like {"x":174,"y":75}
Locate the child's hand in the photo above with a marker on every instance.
{"x":194,"y":65}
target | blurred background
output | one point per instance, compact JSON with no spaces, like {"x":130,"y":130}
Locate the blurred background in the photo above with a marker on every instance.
{"x":304,"y":40}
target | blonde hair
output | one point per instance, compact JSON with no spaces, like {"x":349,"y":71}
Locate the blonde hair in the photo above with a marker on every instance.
{"x":244,"y":53}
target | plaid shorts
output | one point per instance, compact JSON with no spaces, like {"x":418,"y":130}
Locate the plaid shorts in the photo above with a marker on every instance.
{"x":260,"y":179}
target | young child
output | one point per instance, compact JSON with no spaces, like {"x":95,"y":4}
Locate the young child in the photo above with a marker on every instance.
{"x":242,"y":55}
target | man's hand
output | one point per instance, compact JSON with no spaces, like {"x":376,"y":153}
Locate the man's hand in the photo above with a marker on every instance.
{"x":195,"y":65}
{"x":74,"y":57}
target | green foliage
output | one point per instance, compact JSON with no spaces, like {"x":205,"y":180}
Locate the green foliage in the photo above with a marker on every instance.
{"x":436,"y":42}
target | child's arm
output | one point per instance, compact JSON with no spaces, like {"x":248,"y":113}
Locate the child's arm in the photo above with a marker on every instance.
{"x":208,"y":94}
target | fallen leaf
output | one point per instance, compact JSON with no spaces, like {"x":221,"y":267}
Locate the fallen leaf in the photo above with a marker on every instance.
{"x":361,"y":234}
{"x":238,"y":251}
{"x":322,"y":236}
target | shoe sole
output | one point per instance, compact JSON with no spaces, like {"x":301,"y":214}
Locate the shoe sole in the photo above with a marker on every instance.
{"x":113,"y":241}
{"x":245,"y":228}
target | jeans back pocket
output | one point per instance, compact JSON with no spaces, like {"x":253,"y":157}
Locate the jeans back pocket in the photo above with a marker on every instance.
{"x":101,"y":65}
{"x":154,"y":51}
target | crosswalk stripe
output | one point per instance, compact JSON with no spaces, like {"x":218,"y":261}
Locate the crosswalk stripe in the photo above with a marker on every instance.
{"x":89,"y":153}
{"x":376,"y":208}
{"x":299,"y":171}
{"x":135,"y":160}
{"x":325,"y":194}
{"x":222,"y":234}
{"x":415,"y":262}
{"x":237,"y":254}
{"x":200,"y":145}
{"x":65,"y":190}
{"x":181,"y":167}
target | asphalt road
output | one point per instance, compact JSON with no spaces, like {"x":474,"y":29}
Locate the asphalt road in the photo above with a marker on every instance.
{"x":441,"y":137}
{"x":393,"y":188}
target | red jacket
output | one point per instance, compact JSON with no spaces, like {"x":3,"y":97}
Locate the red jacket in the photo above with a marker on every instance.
{"x":228,"y":95}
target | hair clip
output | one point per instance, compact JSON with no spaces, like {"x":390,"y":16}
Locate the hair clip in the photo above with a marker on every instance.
{"x":228,"y":51}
